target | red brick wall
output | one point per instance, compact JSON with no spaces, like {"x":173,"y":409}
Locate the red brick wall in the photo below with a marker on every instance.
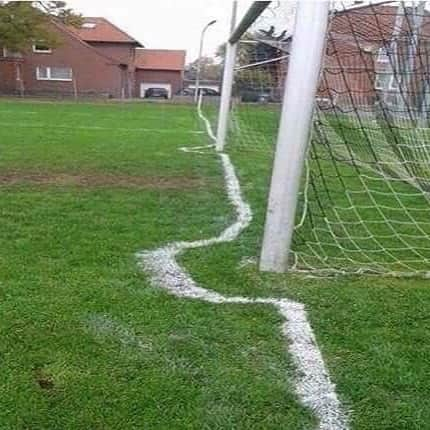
{"x":123,"y":52}
{"x":348,"y":73}
{"x":8,"y":81}
{"x":173,"y":77}
{"x":93,"y":73}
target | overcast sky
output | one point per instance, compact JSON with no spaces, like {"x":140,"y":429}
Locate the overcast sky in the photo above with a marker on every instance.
{"x":169,"y":24}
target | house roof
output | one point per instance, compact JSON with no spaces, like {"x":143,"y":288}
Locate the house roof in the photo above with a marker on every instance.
{"x":370,"y":22}
{"x":68,"y":30}
{"x":98,"y":29}
{"x":160,"y":59}
{"x":374,"y":22}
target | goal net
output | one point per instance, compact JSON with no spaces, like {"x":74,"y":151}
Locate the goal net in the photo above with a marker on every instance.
{"x":364,"y":201}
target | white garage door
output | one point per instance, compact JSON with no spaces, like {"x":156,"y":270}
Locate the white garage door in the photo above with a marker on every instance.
{"x":145,"y":85}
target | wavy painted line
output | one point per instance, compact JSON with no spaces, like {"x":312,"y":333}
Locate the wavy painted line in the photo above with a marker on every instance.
{"x":312,"y":382}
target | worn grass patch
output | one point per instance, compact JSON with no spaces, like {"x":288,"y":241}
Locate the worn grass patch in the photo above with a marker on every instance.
{"x":86,"y":343}
{"x":24,"y":177}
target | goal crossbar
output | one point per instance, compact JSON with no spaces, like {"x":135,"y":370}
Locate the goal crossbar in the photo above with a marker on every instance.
{"x":254,"y":11}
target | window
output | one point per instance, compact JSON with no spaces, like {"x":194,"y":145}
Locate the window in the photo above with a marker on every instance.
{"x":383,"y":55}
{"x":89,"y":25}
{"x":61,"y":73}
{"x":382,"y":81}
{"x":41,"y":48}
{"x":54,"y":73}
{"x":386,"y":81}
{"x":11,"y":54}
{"x":394,"y":84}
{"x":42,"y":73}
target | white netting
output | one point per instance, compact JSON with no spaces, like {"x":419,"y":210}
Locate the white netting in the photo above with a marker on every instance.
{"x":259,"y":78}
{"x":364,"y":206}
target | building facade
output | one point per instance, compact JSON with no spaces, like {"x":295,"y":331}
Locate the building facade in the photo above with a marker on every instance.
{"x":96,"y":60}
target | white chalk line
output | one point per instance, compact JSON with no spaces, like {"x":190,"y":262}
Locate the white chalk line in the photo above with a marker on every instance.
{"x":20,"y":112}
{"x":98,"y":128}
{"x":312,"y":383}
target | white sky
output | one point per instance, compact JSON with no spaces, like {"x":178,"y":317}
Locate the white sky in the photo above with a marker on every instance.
{"x":167,"y":24}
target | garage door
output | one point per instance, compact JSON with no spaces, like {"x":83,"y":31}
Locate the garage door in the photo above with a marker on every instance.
{"x":145,"y":85}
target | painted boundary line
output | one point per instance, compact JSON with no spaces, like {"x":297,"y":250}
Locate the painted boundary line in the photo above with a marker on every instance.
{"x":98,"y":128}
{"x":312,"y":381}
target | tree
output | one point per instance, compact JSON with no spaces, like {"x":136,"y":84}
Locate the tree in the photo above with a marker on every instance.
{"x":254,"y":50}
{"x":256,"y":46}
{"x":22,"y":23}
{"x":245,"y":51}
{"x":210,"y":70}
{"x":256,"y":79}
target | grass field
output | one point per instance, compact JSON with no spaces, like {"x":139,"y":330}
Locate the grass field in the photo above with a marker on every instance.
{"x":87,"y":343}
{"x":366,"y":206}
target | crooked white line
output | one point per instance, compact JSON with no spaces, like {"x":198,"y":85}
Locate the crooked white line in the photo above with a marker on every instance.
{"x":312,"y":382}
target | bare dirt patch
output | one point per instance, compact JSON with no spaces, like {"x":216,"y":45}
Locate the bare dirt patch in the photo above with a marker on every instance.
{"x":43,"y":380}
{"x":15,"y":178}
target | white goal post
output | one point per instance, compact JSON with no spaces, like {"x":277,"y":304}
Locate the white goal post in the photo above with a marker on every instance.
{"x":336,"y":115}
{"x":294,"y":132}
{"x":301,"y":85}
{"x":255,"y":10}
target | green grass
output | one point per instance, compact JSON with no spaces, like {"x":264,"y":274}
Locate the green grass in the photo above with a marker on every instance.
{"x":350,"y":204}
{"x":86,"y":343}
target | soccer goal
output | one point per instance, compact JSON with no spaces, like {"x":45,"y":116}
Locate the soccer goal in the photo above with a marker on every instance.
{"x":338,"y":96}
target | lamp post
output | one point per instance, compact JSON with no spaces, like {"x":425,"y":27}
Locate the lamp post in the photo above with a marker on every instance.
{"x":197,"y":85}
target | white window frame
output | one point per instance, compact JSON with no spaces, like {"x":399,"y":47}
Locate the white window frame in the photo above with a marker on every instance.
{"x":48,"y":72}
{"x":393,"y":85}
{"x":378,"y":87}
{"x":41,"y":51}
{"x":88,"y":25}
{"x":11,"y":54}
{"x":383,"y":56}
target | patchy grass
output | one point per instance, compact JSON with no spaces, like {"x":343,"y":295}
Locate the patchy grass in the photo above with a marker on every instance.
{"x":372,"y":330}
{"x":85,"y":342}
{"x":20,"y":177}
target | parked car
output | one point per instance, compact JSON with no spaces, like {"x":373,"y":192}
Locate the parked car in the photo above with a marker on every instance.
{"x":257,"y":96}
{"x":210,"y":92}
{"x":185,"y":92}
{"x":159,"y":93}
{"x":203,"y":91}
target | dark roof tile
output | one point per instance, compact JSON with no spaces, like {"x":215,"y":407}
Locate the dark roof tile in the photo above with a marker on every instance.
{"x":102,"y":31}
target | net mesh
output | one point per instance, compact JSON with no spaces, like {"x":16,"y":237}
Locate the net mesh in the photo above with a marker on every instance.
{"x":262,"y":62}
{"x":364,"y":204}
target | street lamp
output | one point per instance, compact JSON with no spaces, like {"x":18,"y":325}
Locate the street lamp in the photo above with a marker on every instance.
{"x":197,"y":85}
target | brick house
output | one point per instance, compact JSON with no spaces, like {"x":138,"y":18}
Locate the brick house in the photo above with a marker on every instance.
{"x":97,"y":59}
{"x":369,"y":57}
{"x":159,"y":67}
